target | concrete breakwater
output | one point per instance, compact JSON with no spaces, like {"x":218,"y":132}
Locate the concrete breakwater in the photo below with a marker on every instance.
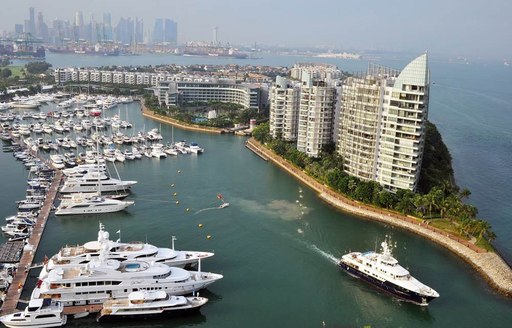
{"x":490,"y":265}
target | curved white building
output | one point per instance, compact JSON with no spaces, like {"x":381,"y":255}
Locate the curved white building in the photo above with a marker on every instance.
{"x":173,"y":93}
{"x":382,"y":124}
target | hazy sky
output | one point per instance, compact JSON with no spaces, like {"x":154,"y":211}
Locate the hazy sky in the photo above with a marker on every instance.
{"x":473,"y":28}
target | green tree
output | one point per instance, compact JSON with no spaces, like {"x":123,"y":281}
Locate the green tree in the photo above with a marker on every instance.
{"x":5,"y":73}
{"x":405,"y":202}
{"x":364,"y":191}
{"x":385,"y":199}
{"x":262,"y":133}
{"x":37,"y":67}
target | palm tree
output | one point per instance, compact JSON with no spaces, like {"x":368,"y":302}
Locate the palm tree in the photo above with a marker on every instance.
{"x":484,"y":230}
{"x":465,"y":193}
{"x":420,"y":202}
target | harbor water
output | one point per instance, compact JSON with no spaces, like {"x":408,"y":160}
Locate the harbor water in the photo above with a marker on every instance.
{"x":277,"y":243}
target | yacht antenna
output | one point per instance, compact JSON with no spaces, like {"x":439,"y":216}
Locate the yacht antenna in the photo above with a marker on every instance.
{"x":173,"y":238}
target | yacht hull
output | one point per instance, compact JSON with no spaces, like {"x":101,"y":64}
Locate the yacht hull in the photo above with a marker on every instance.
{"x":149,"y":314}
{"x":93,"y":209}
{"x":388,"y":286}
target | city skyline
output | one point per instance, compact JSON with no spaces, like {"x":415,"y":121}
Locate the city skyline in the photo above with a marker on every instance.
{"x":472,"y":29}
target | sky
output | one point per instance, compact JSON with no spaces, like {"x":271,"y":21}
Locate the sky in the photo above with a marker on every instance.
{"x":470,"y":28}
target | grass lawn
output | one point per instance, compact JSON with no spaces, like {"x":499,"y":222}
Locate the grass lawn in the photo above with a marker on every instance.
{"x":485,"y":244}
{"x":16,"y":71}
{"x":446,"y":225}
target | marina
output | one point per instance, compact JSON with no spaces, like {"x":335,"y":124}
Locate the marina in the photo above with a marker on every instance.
{"x":30,"y":221}
{"x":27,"y":259}
{"x":301,"y":255}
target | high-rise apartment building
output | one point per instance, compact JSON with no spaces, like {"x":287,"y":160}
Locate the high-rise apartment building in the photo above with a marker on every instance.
{"x":284,"y":108}
{"x":361,"y":101}
{"x":317,"y":108}
{"x":303,"y":108}
{"x":382,"y":124}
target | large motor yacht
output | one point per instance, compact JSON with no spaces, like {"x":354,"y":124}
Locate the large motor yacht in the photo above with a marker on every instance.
{"x":39,"y":313}
{"x":103,"y":279}
{"x":71,"y":256}
{"x":87,"y":204}
{"x":383,"y":271}
{"x":95,"y":181}
{"x":144,"y":304}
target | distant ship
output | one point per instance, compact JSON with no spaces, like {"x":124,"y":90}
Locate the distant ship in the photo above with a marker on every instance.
{"x":22,"y":52}
{"x":383,"y":271}
{"x":85,"y":51}
{"x":212,"y":51}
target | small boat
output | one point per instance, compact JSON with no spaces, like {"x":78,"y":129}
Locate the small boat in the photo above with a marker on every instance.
{"x":95,"y":112}
{"x":39,"y":313}
{"x":223,"y":204}
{"x":149,"y":304}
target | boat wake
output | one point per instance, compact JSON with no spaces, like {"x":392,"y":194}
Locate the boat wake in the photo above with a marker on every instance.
{"x":326,"y":255}
{"x":330,"y":257}
{"x":206,"y":209}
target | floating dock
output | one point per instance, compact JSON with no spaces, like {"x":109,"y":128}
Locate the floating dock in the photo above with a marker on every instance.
{"x":10,"y":252}
{"x":14,"y":291}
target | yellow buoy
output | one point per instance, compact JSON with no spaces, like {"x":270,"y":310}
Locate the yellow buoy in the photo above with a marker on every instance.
{"x":208,"y":237}
{"x":188,"y":209}
{"x":200,"y":225}
{"x":179,"y":171}
{"x":175,"y":194}
{"x":172,"y":185}
{"x":177,"y":202}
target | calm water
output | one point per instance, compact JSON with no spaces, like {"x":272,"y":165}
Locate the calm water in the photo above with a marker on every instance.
{"x":277,"y":243}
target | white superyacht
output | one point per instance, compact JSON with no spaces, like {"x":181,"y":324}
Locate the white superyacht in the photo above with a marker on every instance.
{"x":383,"y":271}
{"x":93,"y":182}
{"x":90,"y":204}
{"x":71,"y":256}
{"x":103,"y":279}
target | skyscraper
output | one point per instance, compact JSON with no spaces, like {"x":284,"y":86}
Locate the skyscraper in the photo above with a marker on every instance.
{"x":139,"y":30}
{"x":382,"y":124}
{"x":124,"y":30}
{"x":42,"y":28}
{"x":32,"y":22}
{"x":171,"y":32}
{"x":165,"y":31}
{"x":215,"y":39}
{"x":158,"y":31}
{"x":106,"y":32}
{"x":18,"y":29}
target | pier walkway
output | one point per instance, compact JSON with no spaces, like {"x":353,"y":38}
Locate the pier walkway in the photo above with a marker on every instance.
{"x":14,"y":291}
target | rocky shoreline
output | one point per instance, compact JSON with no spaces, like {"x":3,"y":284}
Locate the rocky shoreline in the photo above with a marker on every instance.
{"x":489,"y":264}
